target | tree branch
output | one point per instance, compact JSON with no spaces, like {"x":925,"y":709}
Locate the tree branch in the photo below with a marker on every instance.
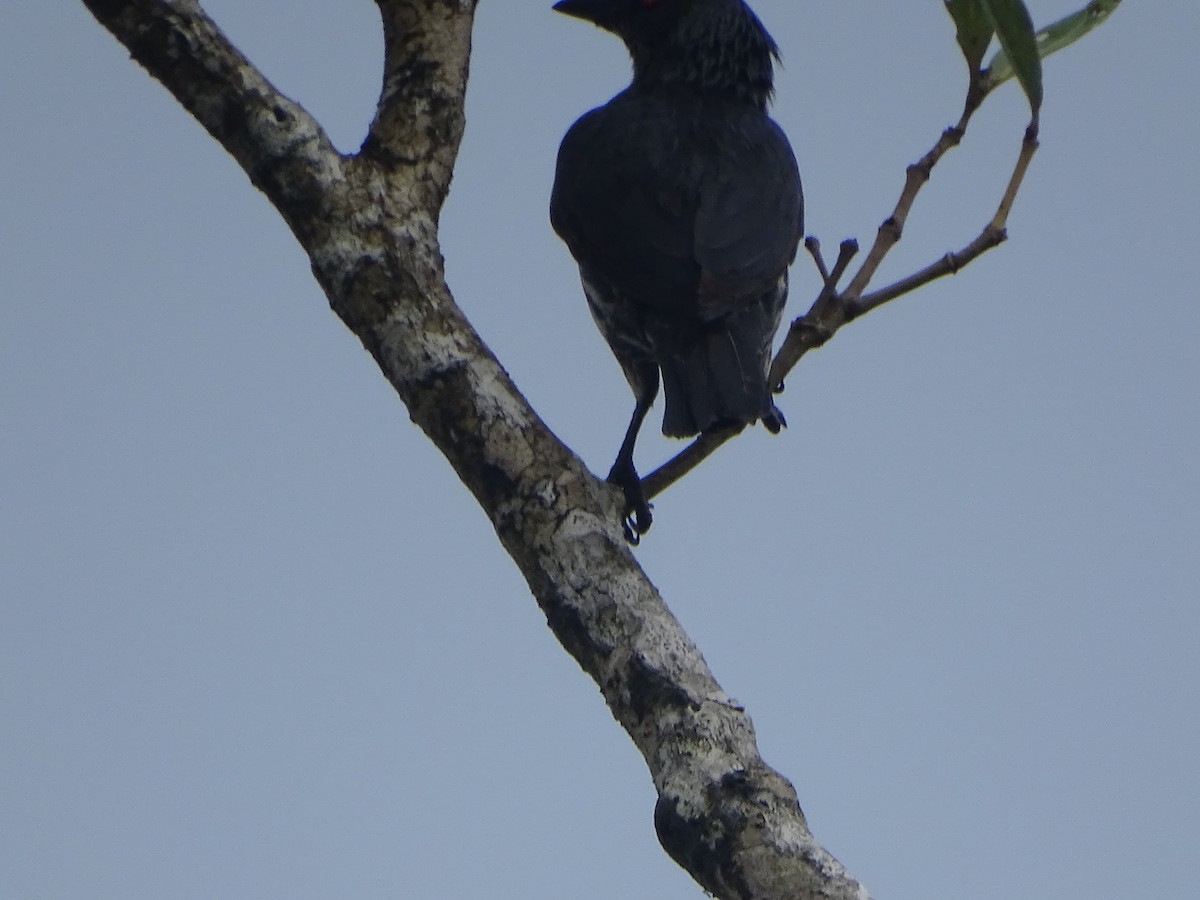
{"x":369,"y":224}
{"x":917,"y":177}
{"x":280,"y":146}
{"x":419,"y":118}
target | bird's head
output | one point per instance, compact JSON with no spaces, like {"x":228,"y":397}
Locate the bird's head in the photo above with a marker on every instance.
{"x":710,"y":44}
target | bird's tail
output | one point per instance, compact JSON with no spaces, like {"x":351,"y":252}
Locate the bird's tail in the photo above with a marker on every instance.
{"x":719,"y":377}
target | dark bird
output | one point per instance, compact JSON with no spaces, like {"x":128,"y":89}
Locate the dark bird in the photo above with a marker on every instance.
{"x":680,"y":200}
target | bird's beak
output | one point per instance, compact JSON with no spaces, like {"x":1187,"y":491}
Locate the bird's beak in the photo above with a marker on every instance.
{"x":597,"y":11}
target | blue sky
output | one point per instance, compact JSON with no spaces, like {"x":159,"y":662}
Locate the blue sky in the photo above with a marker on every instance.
{"x":256,"y":641}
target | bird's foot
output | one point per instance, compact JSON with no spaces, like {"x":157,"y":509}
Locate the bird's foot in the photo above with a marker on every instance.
{"x":774,"y":420}
{"x":636,"y":517}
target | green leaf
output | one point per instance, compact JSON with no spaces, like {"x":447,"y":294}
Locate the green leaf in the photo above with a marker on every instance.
{"x":1054,"y":37}
{"x":1014,"y":29}
{"x":974,"y":30}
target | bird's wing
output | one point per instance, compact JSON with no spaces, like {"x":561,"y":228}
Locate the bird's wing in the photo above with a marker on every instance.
{"x":625,"y":213}
{"x":750,"y":217}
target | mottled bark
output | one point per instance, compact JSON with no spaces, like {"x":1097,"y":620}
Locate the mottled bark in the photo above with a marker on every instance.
{"x":369,"y":224}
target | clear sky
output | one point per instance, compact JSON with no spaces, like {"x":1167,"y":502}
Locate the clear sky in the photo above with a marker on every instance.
{"x":257,"y":642}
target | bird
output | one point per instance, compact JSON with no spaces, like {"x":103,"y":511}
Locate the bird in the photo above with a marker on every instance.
{"x":680,"y":200}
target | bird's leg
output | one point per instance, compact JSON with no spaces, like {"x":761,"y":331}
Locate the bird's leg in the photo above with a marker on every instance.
{"x":636,"y":518}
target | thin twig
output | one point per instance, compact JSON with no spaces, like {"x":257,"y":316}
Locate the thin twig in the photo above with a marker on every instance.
{"x":1029,"y":147}
{"x":813,"y":246}
{"x":916,"y":177}
{"x":813,"y":328}
{"x":687,"y":459}
{"x":993,"y":235}
{"x":950,"y":264}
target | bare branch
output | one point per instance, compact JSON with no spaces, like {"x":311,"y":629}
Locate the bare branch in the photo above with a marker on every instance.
{"x":993,"y":234}
{"x":687,"y":459}
{"x":813,"y":246}
{"x":827,"y":299}
{"x":419,"y":121}
{"x":281,"y":147}
{"x":917,"y":176}
{"x":950,"y":264}
{"x":1029,"y":147}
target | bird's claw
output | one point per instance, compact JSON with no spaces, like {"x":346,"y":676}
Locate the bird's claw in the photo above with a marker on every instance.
{"x":774,"y":420}
{"x":636,"y":516}
{"x":636,"y":519}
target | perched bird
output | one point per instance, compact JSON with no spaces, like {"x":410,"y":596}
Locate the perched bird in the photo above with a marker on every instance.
{"x":680,"y":199}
